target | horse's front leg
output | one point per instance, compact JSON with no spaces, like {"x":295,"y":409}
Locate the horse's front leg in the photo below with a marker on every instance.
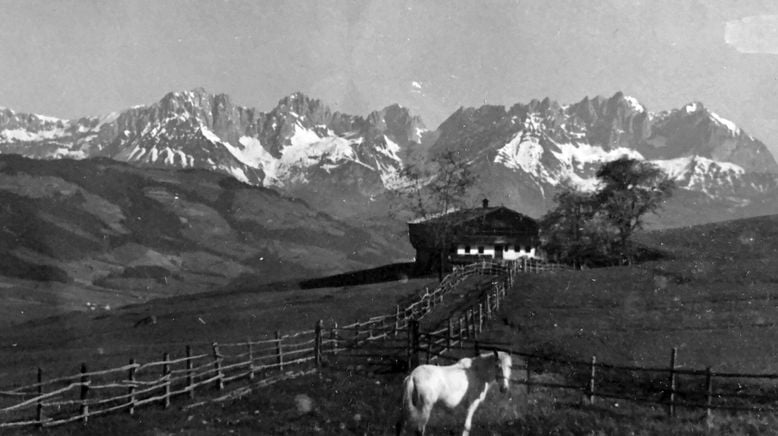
{"x":471,"y":410}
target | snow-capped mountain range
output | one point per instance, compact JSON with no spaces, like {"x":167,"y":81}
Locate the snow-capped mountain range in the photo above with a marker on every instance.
{"x":195,"y":129}
{"x":339,"y":162}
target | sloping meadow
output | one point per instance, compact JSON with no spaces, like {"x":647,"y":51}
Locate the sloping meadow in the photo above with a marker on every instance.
{"x":96,"y":234}
{"x":712,"y":296}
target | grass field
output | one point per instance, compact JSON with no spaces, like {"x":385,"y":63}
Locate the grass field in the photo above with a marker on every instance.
{"x":104,"y":339}
{"x":713,"y":297}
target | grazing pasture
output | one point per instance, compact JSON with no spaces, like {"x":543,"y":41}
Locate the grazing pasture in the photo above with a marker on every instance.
{"x":714,"y":301}
{"x":714,"y":297}
{"x":105,"y":339}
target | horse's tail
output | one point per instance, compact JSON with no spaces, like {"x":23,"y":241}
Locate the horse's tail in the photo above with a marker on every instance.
{"x":408,"y":401}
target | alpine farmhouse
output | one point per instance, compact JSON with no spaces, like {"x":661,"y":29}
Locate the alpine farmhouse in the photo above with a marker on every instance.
{"x":467,"y":235}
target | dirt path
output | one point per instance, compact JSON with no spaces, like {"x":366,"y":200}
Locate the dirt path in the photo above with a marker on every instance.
{"x":455,"y":302}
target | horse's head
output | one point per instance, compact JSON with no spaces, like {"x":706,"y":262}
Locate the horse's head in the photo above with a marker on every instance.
{"x":502,"y":367}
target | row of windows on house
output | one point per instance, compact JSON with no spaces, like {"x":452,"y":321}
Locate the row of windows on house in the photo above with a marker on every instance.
{"x":508,"y":251}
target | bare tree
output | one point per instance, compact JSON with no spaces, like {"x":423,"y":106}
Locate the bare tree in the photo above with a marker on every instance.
{"x":434,"y":189}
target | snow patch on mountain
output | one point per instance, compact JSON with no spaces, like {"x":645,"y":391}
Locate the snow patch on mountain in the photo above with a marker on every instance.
{"x":48,"y":119}
{"x":734,"y":129}
{"x":698,"y":173}
{"x":252,"y":154}
{"x":25,"y":135}
{"x":576,"y":161}
{"x":674,"y":168}
{"x":634,"y":104}
{"x":303,"y":149}
{"x":580,"y":155}
{"x":523,"y":152}
{"x":692,"y":107}
{"x":390,"y":150}
{"x":306,"y":148}
{"x":390,"y":174}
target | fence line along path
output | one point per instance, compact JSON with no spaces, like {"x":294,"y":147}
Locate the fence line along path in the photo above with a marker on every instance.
{"x":207,"y":370}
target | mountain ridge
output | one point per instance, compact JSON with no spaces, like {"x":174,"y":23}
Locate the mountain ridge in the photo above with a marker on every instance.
{"x":342,"y":163}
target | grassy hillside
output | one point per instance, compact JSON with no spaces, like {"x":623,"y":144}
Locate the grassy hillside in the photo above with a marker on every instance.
{"x":59,"y":344}
{"x":97,"y":234}
{"x":714,"y":297}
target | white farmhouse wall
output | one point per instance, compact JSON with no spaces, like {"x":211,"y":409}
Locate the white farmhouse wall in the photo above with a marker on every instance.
{"x":510,"y":252}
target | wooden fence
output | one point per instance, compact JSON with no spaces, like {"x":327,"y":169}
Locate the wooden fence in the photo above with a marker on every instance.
{"x":89,"y":393}
{"x":671,"y":387}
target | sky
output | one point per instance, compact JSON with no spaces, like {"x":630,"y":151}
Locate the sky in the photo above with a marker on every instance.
{"x":73,"y":58}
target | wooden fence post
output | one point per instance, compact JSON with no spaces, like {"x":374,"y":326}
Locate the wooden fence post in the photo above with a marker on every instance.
{"x":672,"y":382}
{"x":396,"y":319}
{"x":461,"y":330}
{"x":317,"y":343}
{"x":480,"y":318}
{"x":334,"y":338}
{"x":468,"y":323}
{"x":356,"y":335}
{"x":529,"y":377}
{"x":217,"y":364}
{"x":488,"y":307}
{"x":39,"y":408}
{"x":708,"y":394}
{"x":592,"y":375}
{"x":84,"y":393}
{"x":279,"y":352}
{"x":414,"y":344}
{"x":449,"y":333}
{"x":166,"y":374}
{"x":429,"y":347}
{"x":409,"y":344}
{"x":476,"y":349}
{"x":189,"y":372}
{"x":131,"y":389}
{"x":251,"y":358}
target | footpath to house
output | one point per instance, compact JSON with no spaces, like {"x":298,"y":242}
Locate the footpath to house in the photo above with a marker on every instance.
{"x":464,"y":296}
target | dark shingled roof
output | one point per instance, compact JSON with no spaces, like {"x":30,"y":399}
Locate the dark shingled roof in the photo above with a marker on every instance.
{"x":460,"y":216}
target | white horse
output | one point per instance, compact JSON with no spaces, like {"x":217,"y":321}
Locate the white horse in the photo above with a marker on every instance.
{"x":465,"y":382}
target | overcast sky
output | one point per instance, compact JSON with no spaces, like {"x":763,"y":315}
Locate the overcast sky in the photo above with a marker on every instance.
{"x":71,"y":58}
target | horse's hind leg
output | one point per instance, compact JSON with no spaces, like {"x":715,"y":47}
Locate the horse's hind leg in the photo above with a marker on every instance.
{"x":422,"y":418}
{"x":416,"y":418}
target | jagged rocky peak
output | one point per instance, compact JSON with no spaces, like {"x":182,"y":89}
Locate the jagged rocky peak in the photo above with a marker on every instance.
{"x":397,"y":122}
{"x":479,"y":117}
{"x":10,"y":119}
{"x":617,"y":106}
{"x":543,"y":106}
{"x":693,"y":107}
{"x":310,"y":110}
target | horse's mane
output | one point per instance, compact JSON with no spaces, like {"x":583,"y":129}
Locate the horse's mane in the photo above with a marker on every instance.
{"x":467,"y":362}
{"x":464,"y":363}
